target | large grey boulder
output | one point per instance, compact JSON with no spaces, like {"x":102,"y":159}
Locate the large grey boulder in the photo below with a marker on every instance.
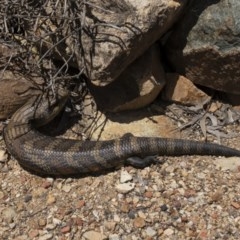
{"x":205,"y":47}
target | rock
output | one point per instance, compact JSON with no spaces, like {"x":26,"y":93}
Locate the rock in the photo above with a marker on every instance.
{"x":168,"y":232}
{"x":80,"y":204}
{"x":148,"y":194}
{"x":236,"y":205}
{"x":125,"y":187}
{"x":205,"y":45}
{"x":42,"y":222}
{"x":33,"y":233}
{"x":65,"y":229}
{"x":125,"y":177}
{"x":125,"y":207}
{"x":3,"y":156}
{"x":110,"y":225}
{"x":137,"y":86}
{"x":8,"y":214}
{"x":230,"y":163}
{"x":181,"y":90}
{"x":114,"y":237}
{"x":150,"y":232}
{"x":146,"y":22}
{"x":139,"y":222}
{"x":66,"y":188}
{"x":47,"y":236}
{"x":1,"y":195}
{"x":50,"y":226}
{"x":93,"y":235}
{"x":51,"y":199}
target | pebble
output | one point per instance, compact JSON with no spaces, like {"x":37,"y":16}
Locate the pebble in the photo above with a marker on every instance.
{"x":236,"y":205}
{"x":47,"y":184}
{"x":42,"y":222}
{"x":8,"y":214}
{"x":50,"y":199}
{"x":168,"y":232}
{"x":125,"y":187}
{"x":33,"y":233}
{"x":150,"y":232}
{"x":47,"y":236}
{"x":1,"y":195}
{"x":65,"y":229}
{"x":114,"y":237}
{"x":27,"y":198}
{"x":56,"y":221}
{"x":142,"y":214}
{"x":139,"y":222}
{"x":124,"y":207}
{"x":110,"y":225}
{"x":3,"y":156}
{"x":125,"y":177}
{"x":116,"y":218}
{"x":50,"y":226}
{"x":93,"y":235}
{"x":131,"y":214}
{"x":148,"y":194}
{"x":231,"y":163}
{"x":80,"y":204}
{"x":66,"y":188}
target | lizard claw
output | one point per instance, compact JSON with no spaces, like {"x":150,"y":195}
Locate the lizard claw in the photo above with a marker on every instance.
{"x":138,"y":162}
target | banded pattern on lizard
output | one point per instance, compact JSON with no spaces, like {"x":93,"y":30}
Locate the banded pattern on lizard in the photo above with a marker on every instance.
{"x":51,"y":156}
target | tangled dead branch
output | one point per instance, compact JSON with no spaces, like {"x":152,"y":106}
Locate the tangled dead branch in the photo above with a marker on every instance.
{"x":45,"y":37}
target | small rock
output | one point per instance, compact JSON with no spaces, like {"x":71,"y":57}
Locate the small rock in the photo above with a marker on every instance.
{"x":50,"y":226}
{"x":150,"y":232}
{"x":124,"y":207}
{"x":56,"y":221}
{"x":47,"y":236}
{"x":66,"y":188}
{"x":164,"y":208}
{"x":216,"y":196}
{"x":42,"y":222}
{"x":125,"y":187}
{"x":65,"y":229}
{"x":148,"y":194}
{"x":8,"y":214}
{"x":230,"y":163}
{"x":131,"y":214}
{"x":80,"y":204}
{"x":125,"y":177}
{"x":139,"y":222}
{"x":33,"y":233}
{"x":142,"y":214}
{"x":50,"y":199}
{"x":114,"y":237}
{"x":236,"y":205}
{"x":78,"y":221}
{"x":182,"y":90}
{"x":1,"y":195}
{"x":27,"y":198}
{"x":3,"y":156}
{"x":12,"y":225}
{"x":116,"y":218}
{"x":168,"y":232}
{"x":47,"y":184}
{"x":93,"y":235}
{"x":110,"y":225}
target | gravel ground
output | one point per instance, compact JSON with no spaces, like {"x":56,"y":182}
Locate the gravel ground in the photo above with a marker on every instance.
{"x":179,"y":198}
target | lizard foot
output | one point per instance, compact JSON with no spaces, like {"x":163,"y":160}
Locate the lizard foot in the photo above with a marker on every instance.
{"x":138,"y":162}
